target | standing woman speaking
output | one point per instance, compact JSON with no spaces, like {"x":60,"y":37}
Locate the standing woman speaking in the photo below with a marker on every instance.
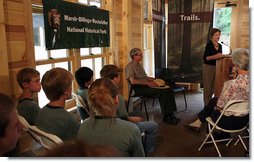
{"x":213,"y":51}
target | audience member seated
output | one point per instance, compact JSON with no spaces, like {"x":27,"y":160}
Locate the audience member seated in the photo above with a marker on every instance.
{"x":145,"y":86}
{"x":53,"y":118}
{"x":84,"y":78}
{"x":29,"y":80}
{"x":104,"y":128}
{"x":149,"y":128}
{"x":77,"y":148}
{"x":235,"y":89}
{"x":10,"y":127}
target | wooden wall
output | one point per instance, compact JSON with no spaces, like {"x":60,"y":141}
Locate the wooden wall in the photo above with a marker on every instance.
{"x":17,"y":46}
{"x":16,"y":42}
{"x":127,"y":33}
{"x":4,"y":70}
{"x":240,"y":26}
{"x":126,"y":18}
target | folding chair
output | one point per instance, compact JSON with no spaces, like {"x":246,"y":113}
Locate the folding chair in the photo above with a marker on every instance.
{"x":232,"y":105}
{"x":24,"y":122}
{"x":241,"y":140}
{"x":81,"y":103}
{"x":45,"y":140}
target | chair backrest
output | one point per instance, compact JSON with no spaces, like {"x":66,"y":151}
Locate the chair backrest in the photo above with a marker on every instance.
{"x":130,"y":87}
{"x":238,"y":106}
{"x":131,"y":90}
{"x":80,"y":102}
{"x":46,"y":140}
{"x":24,"y":122}
{"x":234,"y":105}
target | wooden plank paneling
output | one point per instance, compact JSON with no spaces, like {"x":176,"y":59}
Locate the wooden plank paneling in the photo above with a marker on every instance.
{"x":15,"y":28}
{"x":4,"y":70}
{"x":37,"y":2}
{"x":15,"y":6}
{"x":15,"y":36}
{"x":14,"y":18}
{"x":19,"y":1}
{"x":16,"y":51}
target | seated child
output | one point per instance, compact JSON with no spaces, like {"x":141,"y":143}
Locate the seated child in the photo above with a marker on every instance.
{"x":29,"y":81}
{"x":53,"y":118}
{"x":84,"y":77}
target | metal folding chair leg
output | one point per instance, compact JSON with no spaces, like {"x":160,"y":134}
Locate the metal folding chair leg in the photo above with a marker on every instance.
{"x":231,"y":105}
{"x":147,"y":117}
{"x":241,"y":140}
{"x":185,"y":100}
{"x":213,"y":141}
{"x":210,"y":134}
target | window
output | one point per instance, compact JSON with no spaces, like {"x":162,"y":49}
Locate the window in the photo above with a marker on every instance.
{"x":148,"y":58}
{"x":48,"y":59}
{"x":91,"y":2}
{"x":145,"y":9}
{"x":222,"y":21}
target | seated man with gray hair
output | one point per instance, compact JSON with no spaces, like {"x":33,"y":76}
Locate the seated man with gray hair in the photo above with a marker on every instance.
{"x":144,"y":85}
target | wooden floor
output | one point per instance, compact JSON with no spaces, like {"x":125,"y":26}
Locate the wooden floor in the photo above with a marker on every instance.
{"x":176,"y":141}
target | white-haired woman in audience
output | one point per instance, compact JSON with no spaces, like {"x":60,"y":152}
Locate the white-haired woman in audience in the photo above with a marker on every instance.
{"x":235,"y":89}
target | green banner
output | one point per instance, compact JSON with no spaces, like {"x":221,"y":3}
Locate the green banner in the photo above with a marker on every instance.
{"x":70,"y":25}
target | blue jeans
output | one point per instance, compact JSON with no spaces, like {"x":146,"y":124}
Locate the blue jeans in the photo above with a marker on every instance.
{"x":150,"y":129}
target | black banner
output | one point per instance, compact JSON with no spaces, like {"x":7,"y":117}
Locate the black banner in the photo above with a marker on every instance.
{"x":70,"y":25}
{"x":189,"y":22}
{"x":158,"y":13}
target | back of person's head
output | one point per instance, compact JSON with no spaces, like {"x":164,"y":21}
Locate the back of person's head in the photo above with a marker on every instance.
{"x":55,"y":82}
{"x":25,"y":75}
{"x":78,"y":148}
{"x":101,"y":97}
{"x":134,"y":51}
{"x":240,"y":57}
{"x":109,"y":71}
{"x":6,"y":106}
{"x":83,"y":75}
{"x":212,"y":31}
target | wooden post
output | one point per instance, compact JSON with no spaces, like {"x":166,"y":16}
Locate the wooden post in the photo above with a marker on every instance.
{"x":4,"y":70}
{"x":223,"y":70}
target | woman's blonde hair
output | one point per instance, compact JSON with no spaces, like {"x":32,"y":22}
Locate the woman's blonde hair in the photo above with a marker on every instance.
{"x":240,"y":57}
{"x":101,"y":97}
